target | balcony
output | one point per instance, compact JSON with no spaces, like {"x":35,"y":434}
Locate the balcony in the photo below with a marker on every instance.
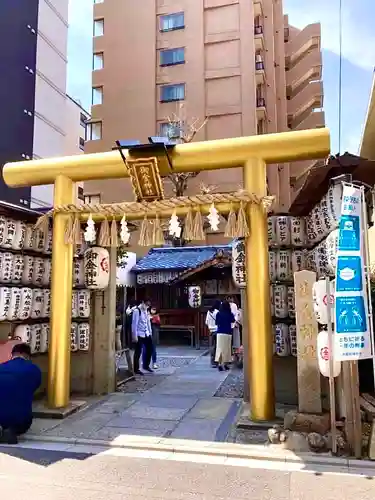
{"x":310,"y":97}
{"x":261,"y":108}
{"x":307,"y":39}
{"x":260,"y":73}
{"x":258,"y":8}
{"x":307,"y":69}
{"x":259,"y":37}
{"x":313,"y":120}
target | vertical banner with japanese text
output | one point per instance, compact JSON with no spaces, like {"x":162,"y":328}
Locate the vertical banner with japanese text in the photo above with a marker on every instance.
{"x":239,"y":263}
{"x":352,"y":332}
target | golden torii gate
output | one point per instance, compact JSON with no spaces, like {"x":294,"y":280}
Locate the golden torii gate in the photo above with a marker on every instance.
{"x":253,"y":154}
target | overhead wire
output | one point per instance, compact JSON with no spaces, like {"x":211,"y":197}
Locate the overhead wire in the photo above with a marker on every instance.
{"x":340,"y":76}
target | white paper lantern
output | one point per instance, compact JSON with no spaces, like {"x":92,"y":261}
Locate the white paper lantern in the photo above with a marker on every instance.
{"x":78,"y":272}
{"x":19,"y":237}
{"x":29,"y":237}
{"x":83,"y":336}
{"x":195,"y":296}
{"x":74,"y":337}
{"x":272,"y":264}
{"x":297,"y":231}
{"x":293,"y":340}
{"x":273,"y":340}
{"x":39,"y":240}
{"x":320,"y":301}
{"x":298,"y":260}
{"x":6,"y":270}
{"x":46,"y":309}
{"x":47,"y":272}
{"x":17,"y":269}
{"x":291,"y":302}
{"x":282,"y":340}
{"x":44,"y":337}
{"x":284,"y":265}
{"x":311,"y":234}
{"x":271,"y":222}
{"x":96,"y":268}
{"x":272,"y":300}
{"x":5,"y":298}
{"x":23,"y":332}
{"x":26,"y":303}
{"x":281,"y":301}
{"x":3,"y":226}
{"x":331,"y":248}
{"x":324,"y":355}
{"x":28,"y":270}
{"x":334,"y":197}
{"x":10,"y":233}
{"x":75,"y":304}
{"x":35,"y":343}
{"x":282,"y":230}
{"x":38,"y":271}
{"x":84,"y":303}
{"x":15,"y":304}
{"x":239,"y":263}
{"x":37,"y":304}
{"x":48,"y":242}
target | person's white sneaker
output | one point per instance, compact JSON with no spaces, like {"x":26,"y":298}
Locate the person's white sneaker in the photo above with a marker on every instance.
{"x":155,"y":366}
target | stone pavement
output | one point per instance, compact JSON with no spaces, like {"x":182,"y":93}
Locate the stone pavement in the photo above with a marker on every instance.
{"x":180,"y":405}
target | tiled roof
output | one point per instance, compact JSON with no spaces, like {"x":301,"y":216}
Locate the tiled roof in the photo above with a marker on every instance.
{"x":177,"y":258}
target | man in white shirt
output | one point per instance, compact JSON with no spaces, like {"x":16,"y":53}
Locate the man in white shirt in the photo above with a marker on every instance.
{"x":236,"y":338}
{"x":142,"y":336}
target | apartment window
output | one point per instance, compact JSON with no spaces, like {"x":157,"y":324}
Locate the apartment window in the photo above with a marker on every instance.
{"x":172,"y":22}
{"x":81,"y":143}
{"x":80,"y":194}
{"x":170,"y":57}
{"x":94,"y":131}
{"x":92,"y":199}
{"x":98,"y":27}
{"x":98,"y":1}
{"x":97,"y":96}
{"x":82,"y":119}
{"x":169,"y":130}
{"x":172,"y":92}
{"x":98,"y":61}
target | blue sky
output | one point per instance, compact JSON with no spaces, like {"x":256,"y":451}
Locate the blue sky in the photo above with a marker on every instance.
{"x":357,"y":65}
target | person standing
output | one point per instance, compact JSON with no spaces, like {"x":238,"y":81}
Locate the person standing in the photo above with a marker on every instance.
{"x":142,"y":336}
{"x":212,"y":328}
{"x":236,"y":340}
{"x":155,"y":327}
{"x":224,"y":322}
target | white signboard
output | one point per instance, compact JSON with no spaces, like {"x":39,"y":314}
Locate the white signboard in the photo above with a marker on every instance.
{"x":352,"y":333}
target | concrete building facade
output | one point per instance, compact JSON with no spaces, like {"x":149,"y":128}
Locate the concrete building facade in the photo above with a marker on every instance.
{"x":236,"y":62}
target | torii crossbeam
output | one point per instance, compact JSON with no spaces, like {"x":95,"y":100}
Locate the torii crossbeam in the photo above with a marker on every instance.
{"x":253,"y":154}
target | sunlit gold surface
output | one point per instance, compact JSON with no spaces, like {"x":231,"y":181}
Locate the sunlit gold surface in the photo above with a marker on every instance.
{"x":253,"y":151}
{"x":258,"y":299}
{"x":61,"y":302}
{"x":191,"y":157}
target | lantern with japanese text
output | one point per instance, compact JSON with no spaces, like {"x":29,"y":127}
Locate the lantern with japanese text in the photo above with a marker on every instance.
{"x":195,"y":296}
{"x":96,"y":268}
{"x":239,"y":263}
{"x":320,"y":301}
{"x":324,"y":356}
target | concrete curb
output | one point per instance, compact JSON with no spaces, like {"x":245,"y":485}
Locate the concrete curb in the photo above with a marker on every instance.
{"x":227,"y":450}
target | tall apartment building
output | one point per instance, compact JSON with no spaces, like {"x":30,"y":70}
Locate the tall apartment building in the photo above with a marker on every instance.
{"x":36,"y":113}
{"x":236,"y":62}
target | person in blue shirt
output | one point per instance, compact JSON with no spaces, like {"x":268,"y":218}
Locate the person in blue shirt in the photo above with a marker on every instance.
{"x":225,"y":321}
{"x":19,"y":380}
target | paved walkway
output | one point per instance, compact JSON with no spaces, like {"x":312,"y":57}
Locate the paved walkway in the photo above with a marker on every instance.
{"x":177,"y":401}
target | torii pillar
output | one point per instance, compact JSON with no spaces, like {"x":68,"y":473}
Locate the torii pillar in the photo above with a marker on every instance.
{"x":253,"y":154}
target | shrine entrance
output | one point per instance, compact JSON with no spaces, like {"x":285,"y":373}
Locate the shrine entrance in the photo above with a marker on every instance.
{"x":146,"y":165}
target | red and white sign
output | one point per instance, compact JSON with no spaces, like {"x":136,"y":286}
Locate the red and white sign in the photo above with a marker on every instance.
{"x":324,"y":356}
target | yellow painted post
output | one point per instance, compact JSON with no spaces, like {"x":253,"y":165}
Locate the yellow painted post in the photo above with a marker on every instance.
{"x":61,"y":301}
{"x":258,"y":315}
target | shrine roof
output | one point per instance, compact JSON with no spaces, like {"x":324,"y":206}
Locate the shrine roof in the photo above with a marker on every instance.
{"x":177,"y":258}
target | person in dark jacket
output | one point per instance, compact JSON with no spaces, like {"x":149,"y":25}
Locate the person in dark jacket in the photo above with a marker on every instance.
{"x":224,"y":321}
{"x":19,"y":380}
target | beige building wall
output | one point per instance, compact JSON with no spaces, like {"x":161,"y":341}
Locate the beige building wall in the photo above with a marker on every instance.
{"x":243,"y":68}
